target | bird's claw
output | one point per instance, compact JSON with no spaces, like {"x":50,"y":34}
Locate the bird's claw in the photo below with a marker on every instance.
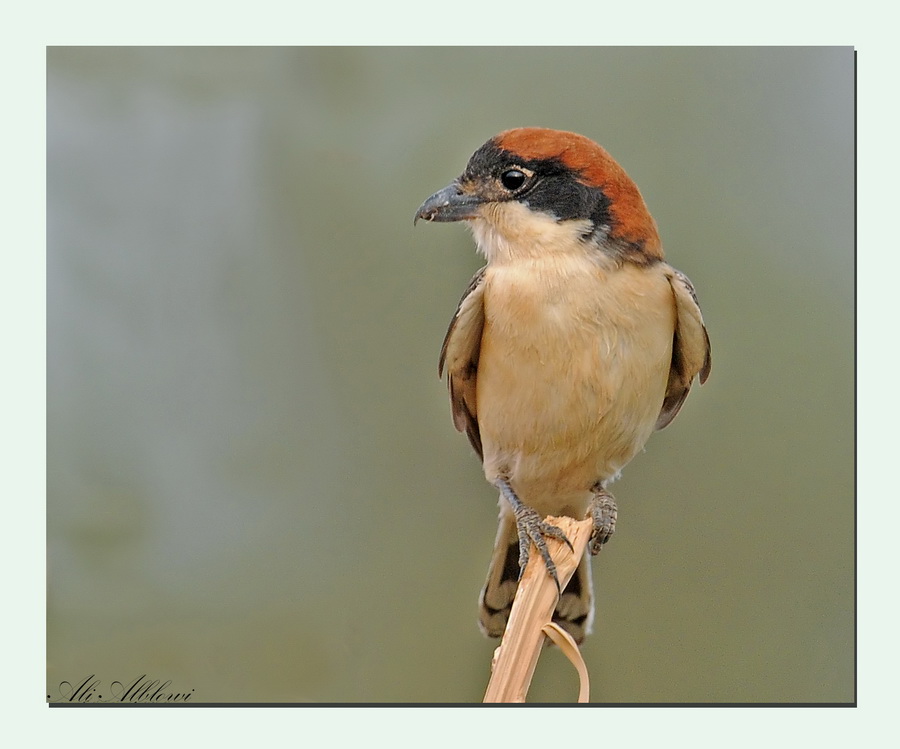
{"x":532,"y":529}
{"x":603,"y":513}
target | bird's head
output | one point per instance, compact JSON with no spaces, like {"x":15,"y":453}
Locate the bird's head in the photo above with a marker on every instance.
{"x":532,"y":190}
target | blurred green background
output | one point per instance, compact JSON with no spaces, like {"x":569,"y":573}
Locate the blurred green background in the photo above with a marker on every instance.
{"x":254,"y":486}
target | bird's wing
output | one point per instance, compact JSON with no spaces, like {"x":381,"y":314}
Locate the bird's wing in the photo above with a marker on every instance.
{"x":459,"y":356}
{"x":690,"y":347}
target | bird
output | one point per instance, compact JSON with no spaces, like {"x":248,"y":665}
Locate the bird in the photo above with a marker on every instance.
{"x":571,"y":345}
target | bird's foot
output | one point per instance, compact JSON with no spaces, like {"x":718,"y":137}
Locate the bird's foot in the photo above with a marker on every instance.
{"x":603,"y":513}
{"x":532,"y":529}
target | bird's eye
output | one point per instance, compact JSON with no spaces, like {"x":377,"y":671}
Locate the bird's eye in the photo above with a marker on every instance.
{"x":512,"y":179}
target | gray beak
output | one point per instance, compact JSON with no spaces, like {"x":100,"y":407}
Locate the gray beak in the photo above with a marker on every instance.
{"x":449,"y":204}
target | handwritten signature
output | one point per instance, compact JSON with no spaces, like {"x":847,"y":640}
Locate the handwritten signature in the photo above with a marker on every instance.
{"x":142,"y":690}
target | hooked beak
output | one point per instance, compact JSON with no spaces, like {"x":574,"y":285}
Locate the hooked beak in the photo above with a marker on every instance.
{"x":449,"y":204}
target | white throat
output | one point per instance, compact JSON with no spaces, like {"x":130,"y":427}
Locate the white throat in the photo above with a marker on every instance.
{"x":507,"y":232}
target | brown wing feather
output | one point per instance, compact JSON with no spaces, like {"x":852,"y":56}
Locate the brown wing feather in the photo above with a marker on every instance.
{"x":459,"y":354}
{"x":690,"y":348}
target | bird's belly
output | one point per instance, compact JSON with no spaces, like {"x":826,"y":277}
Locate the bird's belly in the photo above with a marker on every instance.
{"x":568,"y":392}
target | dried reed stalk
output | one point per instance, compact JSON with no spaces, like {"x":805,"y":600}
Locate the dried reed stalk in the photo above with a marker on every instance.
{"x":515,"y":660}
